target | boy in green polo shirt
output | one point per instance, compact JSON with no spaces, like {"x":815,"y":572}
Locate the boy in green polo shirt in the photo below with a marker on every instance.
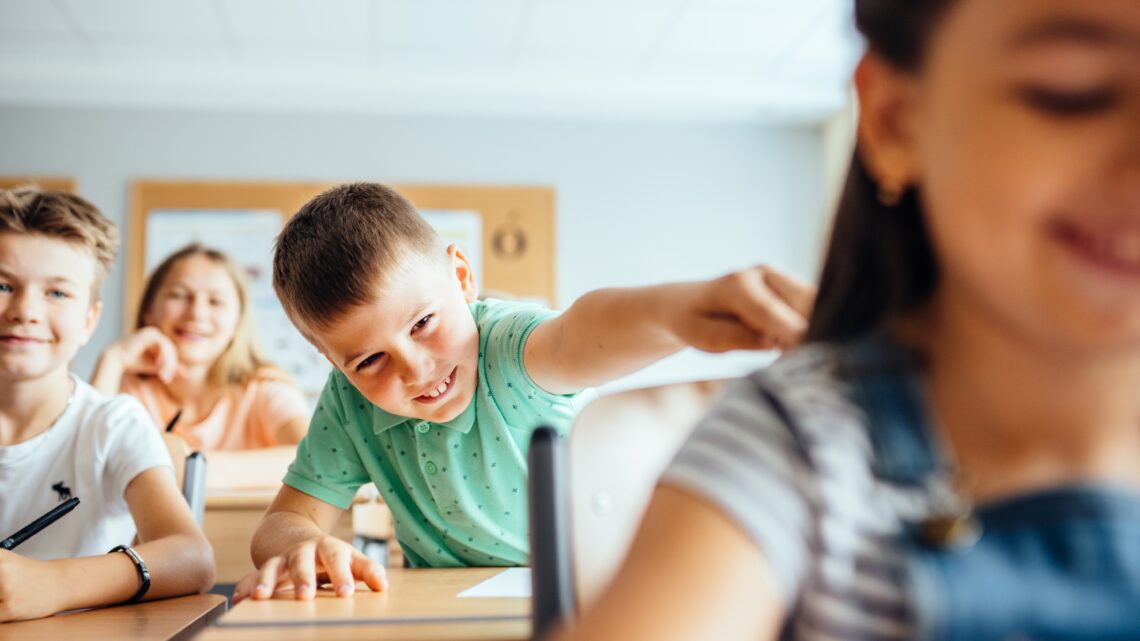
{"x":435,"y":393}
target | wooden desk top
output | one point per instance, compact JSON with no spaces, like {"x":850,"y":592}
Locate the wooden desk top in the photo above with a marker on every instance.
{"x":175,"y":619}
{"x":261,"y":497}
{"x":419,"y":604}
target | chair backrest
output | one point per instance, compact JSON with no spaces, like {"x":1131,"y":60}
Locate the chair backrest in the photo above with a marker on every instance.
{"x":189,"y":473}
{"x":619,"y":446}
{"x":552,"y":577}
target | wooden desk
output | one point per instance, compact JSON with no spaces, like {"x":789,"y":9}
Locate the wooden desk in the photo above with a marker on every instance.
{"x":165,"y":620}
{"x":419,"y":604}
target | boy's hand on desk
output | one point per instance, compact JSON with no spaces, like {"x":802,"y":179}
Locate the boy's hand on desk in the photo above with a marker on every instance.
{"x":301,"y":566}
{"x":28,"y":588}
{"x":756,"y":308}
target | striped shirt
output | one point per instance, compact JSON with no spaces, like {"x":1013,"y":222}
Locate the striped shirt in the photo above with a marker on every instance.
{"x":787,"y":455}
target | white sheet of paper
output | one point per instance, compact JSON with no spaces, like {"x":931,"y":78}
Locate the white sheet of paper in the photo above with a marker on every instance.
{"x":512,"y":582}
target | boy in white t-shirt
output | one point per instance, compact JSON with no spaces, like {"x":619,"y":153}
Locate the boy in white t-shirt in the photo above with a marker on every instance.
{"x":60,"y":438}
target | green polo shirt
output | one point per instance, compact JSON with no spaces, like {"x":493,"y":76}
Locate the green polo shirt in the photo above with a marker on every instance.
{"x":457,"y":490}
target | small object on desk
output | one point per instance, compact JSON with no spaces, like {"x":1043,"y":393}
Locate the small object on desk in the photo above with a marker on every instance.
{"x":173,"y":421}
{"x":32,"y":528}
{"x":512,"y":582}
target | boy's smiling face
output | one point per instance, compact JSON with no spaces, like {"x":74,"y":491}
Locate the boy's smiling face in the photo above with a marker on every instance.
{"x":414,"y":350}
{"x":46,"y":311}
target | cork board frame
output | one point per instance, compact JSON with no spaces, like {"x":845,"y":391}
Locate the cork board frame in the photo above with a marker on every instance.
{"x":518,"y":224}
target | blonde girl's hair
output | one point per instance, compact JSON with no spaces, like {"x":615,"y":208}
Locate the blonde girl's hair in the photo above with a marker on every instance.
{"x":242,"y":360}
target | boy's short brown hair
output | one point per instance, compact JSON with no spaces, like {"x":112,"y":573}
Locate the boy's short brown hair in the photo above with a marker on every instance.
{"x":59,"y":214}
{"x":331,"y":253}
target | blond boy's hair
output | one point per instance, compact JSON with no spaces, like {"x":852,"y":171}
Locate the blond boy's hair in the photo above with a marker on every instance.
{"x":334,"y":251}
{"x":242,"y":360}
{"x":57,"y":214}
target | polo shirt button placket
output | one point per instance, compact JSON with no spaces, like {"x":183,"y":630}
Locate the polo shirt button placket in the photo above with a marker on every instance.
{"x":423,"y":427}
{"x":430,"y":468}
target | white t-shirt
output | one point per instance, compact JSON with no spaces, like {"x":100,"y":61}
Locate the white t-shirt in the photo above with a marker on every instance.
{"x":93,"y":451}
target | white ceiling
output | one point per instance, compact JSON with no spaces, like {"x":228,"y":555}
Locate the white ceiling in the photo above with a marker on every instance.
{"x":716,"y":60}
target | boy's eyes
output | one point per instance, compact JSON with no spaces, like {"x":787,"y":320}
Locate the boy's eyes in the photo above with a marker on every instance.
{"x":1067,"y":103}
{"x":419,"y":325}
{"x":368,"y":361}
{"x":52,"y":293}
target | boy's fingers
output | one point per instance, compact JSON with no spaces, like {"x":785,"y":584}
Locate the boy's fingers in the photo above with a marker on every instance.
{"x":371,"y":572}
{"x":336,"y":557}
{"x":245,"y":587}
{"x":799,"y":295}
{"x":302,"y":568}
{"x":272,"y":573}
{"x":765,"y":312}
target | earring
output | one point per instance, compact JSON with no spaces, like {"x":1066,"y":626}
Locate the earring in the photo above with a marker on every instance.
{"x":890,"y":192}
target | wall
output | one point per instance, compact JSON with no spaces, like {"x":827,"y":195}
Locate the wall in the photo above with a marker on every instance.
{"x":637,"y":203}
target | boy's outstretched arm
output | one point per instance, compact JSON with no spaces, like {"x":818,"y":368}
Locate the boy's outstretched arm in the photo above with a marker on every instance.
{"x":609,"y":333}
{"x":291,"y":546}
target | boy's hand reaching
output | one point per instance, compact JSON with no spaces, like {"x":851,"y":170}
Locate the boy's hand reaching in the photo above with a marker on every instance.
{"x":326,"y":556}
{"x":609,"y":333}
{"x":757,"y":308}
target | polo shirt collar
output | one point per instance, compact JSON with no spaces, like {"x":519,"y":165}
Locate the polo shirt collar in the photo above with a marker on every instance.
{"x":383,"y":420}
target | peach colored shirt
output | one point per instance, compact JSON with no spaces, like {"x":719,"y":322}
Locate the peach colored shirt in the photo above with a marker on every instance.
{"x":244,"y":418}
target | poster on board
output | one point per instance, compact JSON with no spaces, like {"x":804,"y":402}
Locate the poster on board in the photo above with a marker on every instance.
{"x":463,"y":228}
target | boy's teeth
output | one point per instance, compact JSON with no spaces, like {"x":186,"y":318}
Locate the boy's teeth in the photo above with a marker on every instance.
{"x":439,"y":390}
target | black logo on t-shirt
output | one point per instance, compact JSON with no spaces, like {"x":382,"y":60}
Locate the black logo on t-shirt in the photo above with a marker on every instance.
{"x":63,"y":491}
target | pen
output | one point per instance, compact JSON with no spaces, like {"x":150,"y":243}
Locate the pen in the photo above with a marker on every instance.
{"x":170,"y":425}
{"x":35,"y":526}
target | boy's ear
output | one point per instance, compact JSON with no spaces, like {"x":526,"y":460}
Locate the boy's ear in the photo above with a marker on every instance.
{"x":887,"y":102}
{"x":461,"y":267}
{"x":94,"y":311}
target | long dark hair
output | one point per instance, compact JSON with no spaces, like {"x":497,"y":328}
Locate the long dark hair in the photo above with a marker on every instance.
{"x":879,"y":262}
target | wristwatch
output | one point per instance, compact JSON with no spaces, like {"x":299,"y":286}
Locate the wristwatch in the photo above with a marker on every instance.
{"x":140,"y":567}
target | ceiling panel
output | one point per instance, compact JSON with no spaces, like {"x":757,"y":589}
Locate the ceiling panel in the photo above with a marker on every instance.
{"x":758,"y":33}
{"x":139,"y":20}
{"x":304,"y":54}
{"x":40,"y":18}
{"x":149,"y":53}
{"x":710,"y":59}
{"x":564,"y":27}
{"x":450,"y":24}
{"x":35,"y":48}
{"x":284,"y":21}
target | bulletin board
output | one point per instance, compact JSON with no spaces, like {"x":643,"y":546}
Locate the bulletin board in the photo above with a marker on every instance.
{"x":47,"y":182}
{"x":515,"y":251}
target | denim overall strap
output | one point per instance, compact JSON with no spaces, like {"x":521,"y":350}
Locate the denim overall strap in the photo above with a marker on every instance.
{"x":881,"y":375}
{"x":1061,"y":564}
